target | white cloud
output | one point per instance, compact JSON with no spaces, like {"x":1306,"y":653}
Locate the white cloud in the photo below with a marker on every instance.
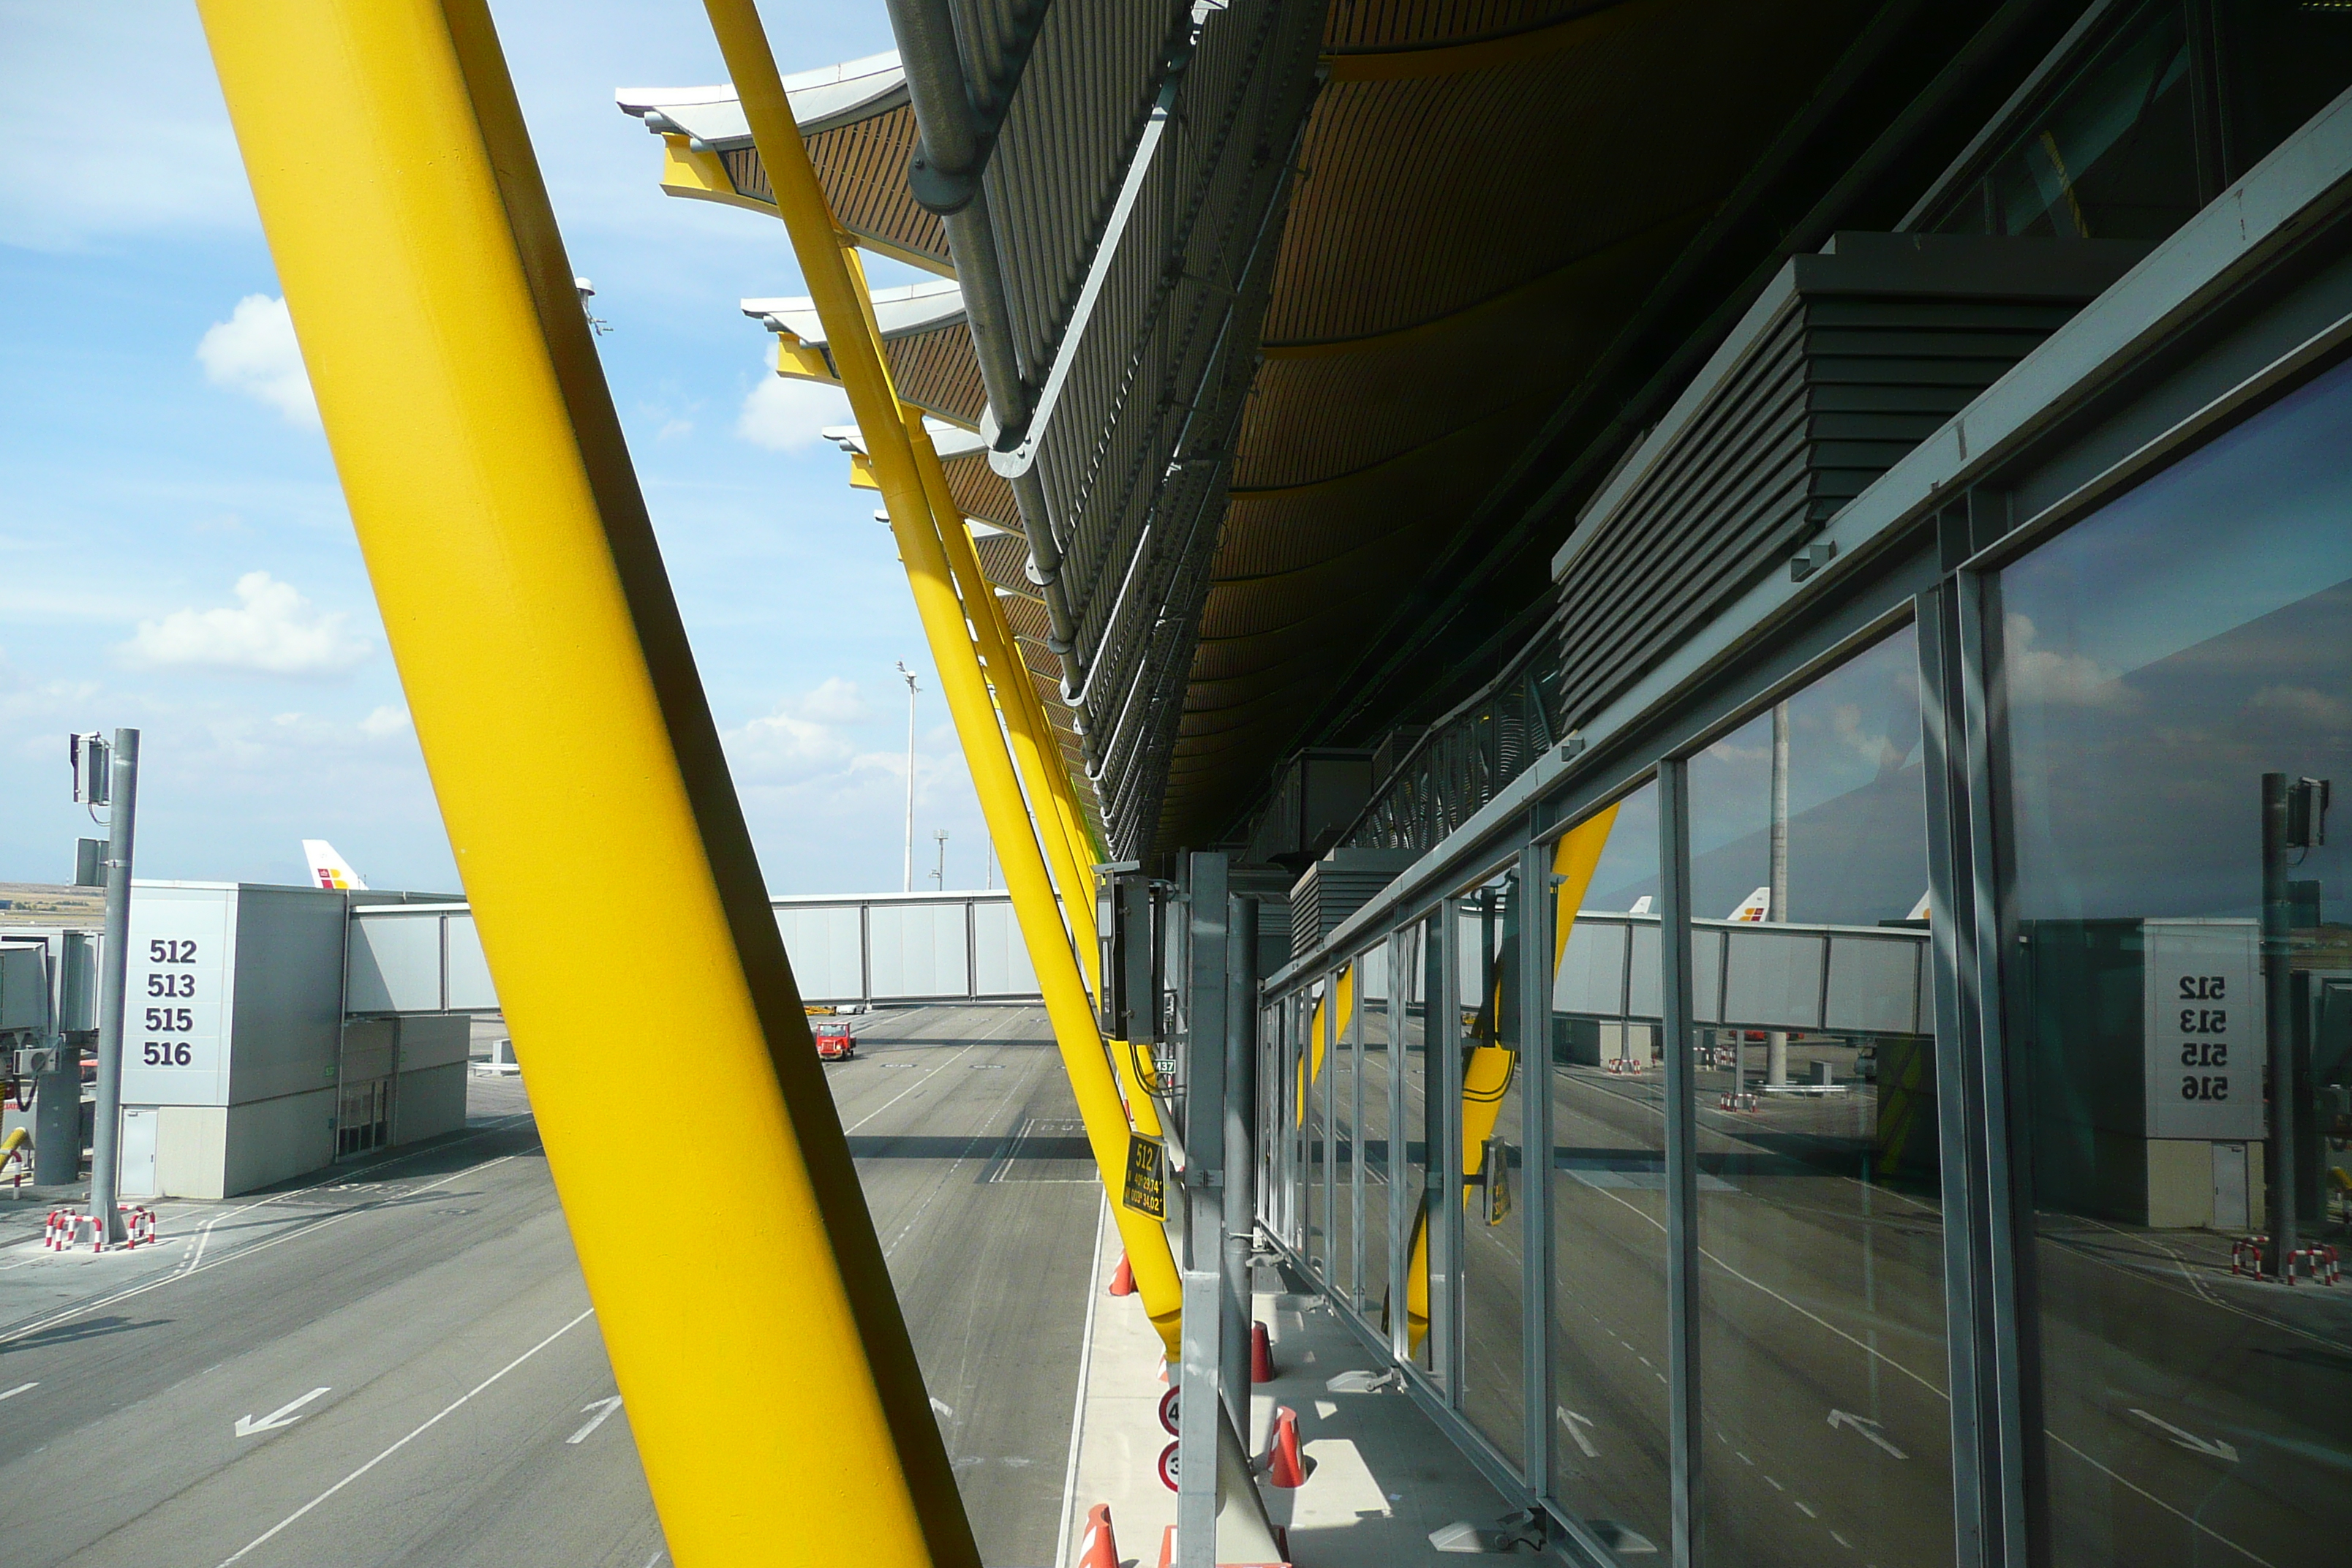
{"x":274,"y":630}
{"x":2060,"y":680}
{"x":254,"y":352}
{"x":785,"y":416}
{"x":384,"y":721}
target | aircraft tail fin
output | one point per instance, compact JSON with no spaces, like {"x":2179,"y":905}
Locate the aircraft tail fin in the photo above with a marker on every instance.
{"x":330,"y":870}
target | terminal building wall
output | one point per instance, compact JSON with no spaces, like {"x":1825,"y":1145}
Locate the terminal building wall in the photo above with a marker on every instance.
{"x":1956,"y":1287}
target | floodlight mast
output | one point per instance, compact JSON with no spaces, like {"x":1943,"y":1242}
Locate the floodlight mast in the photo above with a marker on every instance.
{"x":120,"y":792}
{"x":906,"y":883}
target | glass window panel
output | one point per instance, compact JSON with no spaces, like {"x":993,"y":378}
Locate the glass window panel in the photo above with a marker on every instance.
{"x":1493,"y":1139}
{"x":1375,"y":1083}
{"x":1314,"y":1094}
{"x":2156,"y":662}
{"x":1421,"y":989}
{"x":2112,"y":157}
{"x":1611,"y":1459}
{"x":1342,"y":1074}
{"x":1825,"y":1416}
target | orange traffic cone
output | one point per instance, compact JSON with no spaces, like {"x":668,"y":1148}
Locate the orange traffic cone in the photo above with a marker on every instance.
{"x":1122,"y":1279}
{"x":1167,"y":1547}
{"x":1283,"y":1466}
{"x":1261,"y":1354}
{"x":1096,"y":1548}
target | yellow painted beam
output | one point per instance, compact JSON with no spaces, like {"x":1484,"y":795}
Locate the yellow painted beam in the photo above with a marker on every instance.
{"x":772,"y":1392}
{"x":1030,"y":757}
{"x":844,"y":307}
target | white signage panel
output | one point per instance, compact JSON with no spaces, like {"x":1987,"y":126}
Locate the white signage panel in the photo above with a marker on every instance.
{"x":175,"y":1002}
{"x":2202,"y":1026}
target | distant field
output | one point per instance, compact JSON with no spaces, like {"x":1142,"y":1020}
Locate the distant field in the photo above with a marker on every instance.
{"x":44,"y":904}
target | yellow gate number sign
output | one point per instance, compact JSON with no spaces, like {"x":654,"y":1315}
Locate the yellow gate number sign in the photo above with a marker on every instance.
{"x":1147,"y":1176}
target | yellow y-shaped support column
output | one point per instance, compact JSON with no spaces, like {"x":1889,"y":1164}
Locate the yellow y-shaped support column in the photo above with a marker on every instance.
{"x":556,"y":704}
{"x":1011,"y":680}
{"x":845,"y":311}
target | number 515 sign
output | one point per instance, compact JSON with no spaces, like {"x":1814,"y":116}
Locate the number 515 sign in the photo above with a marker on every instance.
{"x":2202,"y":1027}
{"x":171,"y":1006}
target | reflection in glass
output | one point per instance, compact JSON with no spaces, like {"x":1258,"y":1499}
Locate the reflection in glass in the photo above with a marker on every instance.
{"x":1374,"y":1084}
{"x":2156,"y":660}
{"x":1421,"y":990}
{"x":1342,"y":1075}
{"x":1609,"y":1455}
{"x":1821,"y":1373}
{"x":2113,"y":157}
{"x":1313,"y":1092}
{"x":1494,"y":1140}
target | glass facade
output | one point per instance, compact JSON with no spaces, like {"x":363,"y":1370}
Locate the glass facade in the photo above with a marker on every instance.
{"x":1821,"y":1358}
{"x":1376,"y":1081}
{"x":1995,"y":1216}
{"x":1611,"y":1450}
{"x":1313,"y":1099}
{"x":1492,"y":1045}
{"x":1419,"y":991}
{"x":2156,"y":661}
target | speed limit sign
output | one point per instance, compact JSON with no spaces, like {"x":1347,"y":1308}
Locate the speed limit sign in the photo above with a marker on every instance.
{"x":1168,"y":1466}
{"x":1168,"y":1412}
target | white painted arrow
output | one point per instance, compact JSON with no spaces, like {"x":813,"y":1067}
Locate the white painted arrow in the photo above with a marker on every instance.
{"x":1867,"y":1427}
{"x":1577,"y":1427}
{"x":2211,"y":1449}
{"x":603,"y":1409}
{"x":282,"y":1417}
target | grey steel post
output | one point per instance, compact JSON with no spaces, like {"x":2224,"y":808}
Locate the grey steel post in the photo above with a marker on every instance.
{"x":57,"y":1133}
{"x":2278,"y":1009}
{"x":1198,"y":1413}
{"x":1241,"y":1155}
{"x":122,"y":816}
{"x":1681,"y":1154}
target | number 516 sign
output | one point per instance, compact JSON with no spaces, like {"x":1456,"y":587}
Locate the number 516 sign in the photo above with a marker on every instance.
{"x":2202,"y":1026}
{"x":172,"y":1005}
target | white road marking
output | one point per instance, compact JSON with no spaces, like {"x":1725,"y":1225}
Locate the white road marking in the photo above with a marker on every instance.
{"x":603,"y":1409}
{"x":1085,"y":1362}
{"x":940,"y":1408}
{"x":186,"y":1269}
{"x":1867,"y":1427}
{"x":2212,"y":1449}
{"x":267,"y":1535}
{"x":1577,"y":1425}
{"x":282,"y":1417}
{"x":20,"y":1388}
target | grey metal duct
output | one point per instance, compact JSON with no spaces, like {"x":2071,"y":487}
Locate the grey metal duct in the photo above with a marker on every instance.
{"x":945,"y":177}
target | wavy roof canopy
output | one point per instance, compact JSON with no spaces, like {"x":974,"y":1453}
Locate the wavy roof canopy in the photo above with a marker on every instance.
{"x":1319,"y":341}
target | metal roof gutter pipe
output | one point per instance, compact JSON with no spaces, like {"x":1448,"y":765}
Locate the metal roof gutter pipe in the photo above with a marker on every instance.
{"x":944,"y":175}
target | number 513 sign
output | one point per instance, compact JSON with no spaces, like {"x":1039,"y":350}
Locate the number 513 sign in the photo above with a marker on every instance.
{"x":171,"y":1006}
{"x":2202,"y":1026}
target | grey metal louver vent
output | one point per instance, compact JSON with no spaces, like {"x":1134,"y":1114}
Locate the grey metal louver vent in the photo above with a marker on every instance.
{"x":1848,"y":360}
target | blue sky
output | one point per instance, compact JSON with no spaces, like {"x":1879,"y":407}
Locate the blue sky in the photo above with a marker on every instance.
{"x":174,"y":553}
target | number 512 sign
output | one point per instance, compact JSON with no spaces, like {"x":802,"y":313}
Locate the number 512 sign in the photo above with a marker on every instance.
{"x":171,"y":1004}
{"x":2202,"y":1026}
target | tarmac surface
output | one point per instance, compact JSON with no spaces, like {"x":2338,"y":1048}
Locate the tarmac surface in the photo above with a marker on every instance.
{"x":396,"y":1363}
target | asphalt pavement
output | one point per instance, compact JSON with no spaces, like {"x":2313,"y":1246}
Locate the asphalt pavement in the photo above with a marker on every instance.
{"x":396,"y":1363}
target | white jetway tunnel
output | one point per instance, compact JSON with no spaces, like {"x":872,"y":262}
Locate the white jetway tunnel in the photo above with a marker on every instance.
{"x":414,"y":959}
{"x":1867,"y":980}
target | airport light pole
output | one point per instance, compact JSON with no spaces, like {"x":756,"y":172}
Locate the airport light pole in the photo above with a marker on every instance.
{"x":940,"y":876}
{"x":121,"y":800}
{"x":1776,"y":1042}
{"x":908,"y":885}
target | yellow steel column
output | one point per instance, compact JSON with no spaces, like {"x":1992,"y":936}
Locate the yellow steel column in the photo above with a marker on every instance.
{"x":772,"y":1392}
{"x":841,"y":305}
{"x":1006,"y":674}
